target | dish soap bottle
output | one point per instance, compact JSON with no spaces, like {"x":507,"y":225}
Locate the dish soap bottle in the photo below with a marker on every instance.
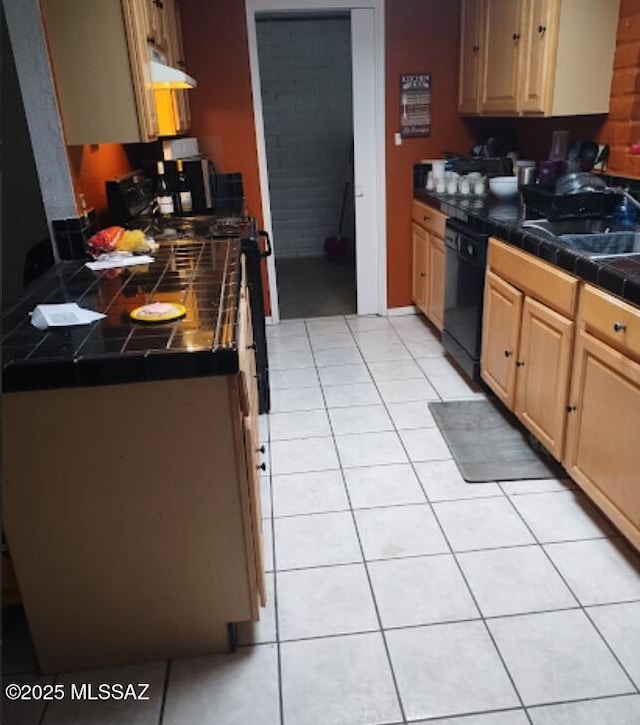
{"x":626,"y":212}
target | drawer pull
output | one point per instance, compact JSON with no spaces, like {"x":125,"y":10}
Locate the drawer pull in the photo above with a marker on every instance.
{"x":619,"y":327}
{"x":571,"y":408}
{"x":519,"y":363}
{"x":262,"y":450}
{"x":542,"y":29}
{"x":508,"y":353}
{"x":426,"y":218}
{"x":252,"y":346}
{"x":423,"y":274}
{"x":262,"y":467}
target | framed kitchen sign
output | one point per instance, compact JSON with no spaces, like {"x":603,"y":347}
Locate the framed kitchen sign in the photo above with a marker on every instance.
{"x":415,"y":101}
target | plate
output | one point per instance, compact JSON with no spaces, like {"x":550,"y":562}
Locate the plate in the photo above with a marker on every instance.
{"x":159,"y":312}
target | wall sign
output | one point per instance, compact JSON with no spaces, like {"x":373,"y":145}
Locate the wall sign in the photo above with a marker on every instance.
{"x":415,"y":105}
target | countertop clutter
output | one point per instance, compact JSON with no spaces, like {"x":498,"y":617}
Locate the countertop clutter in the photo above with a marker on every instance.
{"x":202,"y":274}
{"x":504,"y":219}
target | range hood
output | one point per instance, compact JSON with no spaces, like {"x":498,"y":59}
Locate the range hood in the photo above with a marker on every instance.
{"x":165,"y":77}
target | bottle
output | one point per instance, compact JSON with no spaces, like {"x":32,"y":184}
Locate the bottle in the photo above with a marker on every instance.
{"x":164,"y":198}
{"x":183,"y":197}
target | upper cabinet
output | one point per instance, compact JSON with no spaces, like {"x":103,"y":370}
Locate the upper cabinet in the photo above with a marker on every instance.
{"x":537,"y":57}
{"x":100,"y":53}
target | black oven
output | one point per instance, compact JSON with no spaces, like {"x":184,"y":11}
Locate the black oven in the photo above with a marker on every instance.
{"x":466,"y":252}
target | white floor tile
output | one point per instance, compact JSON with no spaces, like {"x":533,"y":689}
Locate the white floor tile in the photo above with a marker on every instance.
{"x":226,"y":689}
{"x":316,"y":540}
{"x":291,"y":399}
{"x":360,"y":419}
{"x":338,"y":681}
{"x":309,"y":493}
{"x":435,"y":367}
{"x":267,"y":545}
{"x":619,"y":624}
{"x":332,"y":341}
{"x":24,"y":712}
{"x":565,"y":516}
{"x":344,"y":396}
{"x":290,"y":360}
{"x":395,"y":370}
{"x":481,"y":523}
{"x":370,"y":449}
{"x":443,"y":481}
{"x":449,"y":669}
{"x":601,"y":571}
{"x":514,"y":581}
{"x":406,"y":391}
{"x":264,"y":630}
{"x":425,"y":444}
{"x":344,"y":374}
{"x":455,"y":387}
{"x":383,"y":486}
{"x":420,"y":590}
{"x":414,"y":414}
{"x":327,"y":326}
{"x":376,"y":338}
{"x":366,"y":323}
{"x":399,"y":531}
{"x":425,"y":348}
{"x":300,"y":456}
{"x":325,"y":601}
{"x":293,"y":378}
{"x":286,"y":328}
{"x":347,"y":356}
{"x":612,"y":711}
{"x":106,"y":712}
{"x":383,"y":353}
{"x":299,"y":424}
{"x":582,"y":664}
{"x":280,"y":345}
{"x":506,"y":717}
{"x":265,"y":496}
{"x":538,"y":485}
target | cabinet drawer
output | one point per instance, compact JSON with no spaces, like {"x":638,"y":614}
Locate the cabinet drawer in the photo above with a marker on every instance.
{"x":616,"y":322}
{"x":429,"y":218}
{"x":536,"y":278}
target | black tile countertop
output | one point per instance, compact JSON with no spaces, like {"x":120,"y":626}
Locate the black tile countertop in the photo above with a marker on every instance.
{"x":202,"y":274}
{"x":504,"y":219}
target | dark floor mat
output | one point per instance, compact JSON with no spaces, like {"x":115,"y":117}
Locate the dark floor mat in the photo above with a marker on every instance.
{"x":489,"y":444}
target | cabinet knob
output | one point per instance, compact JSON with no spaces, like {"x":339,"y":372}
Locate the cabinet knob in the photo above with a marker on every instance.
{"x":151,"y":39}
{"x":262,"y":450}
{"x":426,"y":218}
{"x":571,"y":408}
{"x":519,"y":363}
{"x":516,"y":37}
{"x":542,"y":29}
{"x":262,"y":467}
{"x":252,"y":346}
{"x":423,"y":274}
{"x":475,"y":48}
{"x":619,"y":327}
{"x":508,"y":353}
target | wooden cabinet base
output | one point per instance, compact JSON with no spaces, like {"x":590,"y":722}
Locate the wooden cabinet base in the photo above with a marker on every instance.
{"x":126,"y":519}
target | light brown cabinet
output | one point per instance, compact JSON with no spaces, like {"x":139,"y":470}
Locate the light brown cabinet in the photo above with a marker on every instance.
{"x":537,"y":57}
{"x":602,"y":453}
{"x":159,"y":21}
{"x":429,"y":262}
{"x":527,"y":340}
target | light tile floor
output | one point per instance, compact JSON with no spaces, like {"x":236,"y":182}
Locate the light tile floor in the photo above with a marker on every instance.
{"x":398,"y":593}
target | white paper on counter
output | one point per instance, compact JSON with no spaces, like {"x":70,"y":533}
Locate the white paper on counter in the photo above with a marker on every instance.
{"x":110,"y":261}
{"x":63,"y":315}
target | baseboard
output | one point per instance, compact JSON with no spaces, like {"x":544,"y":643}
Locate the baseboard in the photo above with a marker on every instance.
{"x":399,"y":311}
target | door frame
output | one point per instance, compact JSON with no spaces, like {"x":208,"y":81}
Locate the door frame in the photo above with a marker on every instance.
{"x":376,"y":263}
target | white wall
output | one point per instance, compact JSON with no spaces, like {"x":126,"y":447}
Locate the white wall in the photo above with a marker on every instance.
{"x":305,"y":73}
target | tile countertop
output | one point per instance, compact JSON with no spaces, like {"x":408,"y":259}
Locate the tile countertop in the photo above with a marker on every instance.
{"x":202,"y":274}
{"x":501,"y":219}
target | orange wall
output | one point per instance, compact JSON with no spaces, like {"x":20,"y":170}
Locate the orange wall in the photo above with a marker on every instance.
{"x":421,"y":36}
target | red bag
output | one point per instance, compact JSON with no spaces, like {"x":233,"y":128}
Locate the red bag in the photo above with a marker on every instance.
{"x":105,"y":240}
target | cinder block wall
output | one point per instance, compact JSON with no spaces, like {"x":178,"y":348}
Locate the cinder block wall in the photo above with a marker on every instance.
{"x":305,"y":72}
{"x":623,"y":124}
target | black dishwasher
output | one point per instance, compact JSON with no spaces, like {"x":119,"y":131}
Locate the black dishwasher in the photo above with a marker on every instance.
{"x":466,"y":252}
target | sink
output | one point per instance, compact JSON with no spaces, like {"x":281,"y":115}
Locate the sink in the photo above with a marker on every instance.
{"x":594,"y":237}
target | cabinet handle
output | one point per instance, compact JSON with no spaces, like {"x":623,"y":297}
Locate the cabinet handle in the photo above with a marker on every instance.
{"x":426,"y":218}
{"x":508,"y":353}
{"x":151,"y":39}
{"x":542,"y":29}
{"x":475,"y":48}
{"x":619,"y":327}
{"x":423,"y":274}
{"x":516,"y":37}
{"x":262,"y":467}
{"x":519,"y":363}
{"x":571,"y":408}
{"x":262,"y":450}
{"x":252,"y":346}
{"x":159,"y":4}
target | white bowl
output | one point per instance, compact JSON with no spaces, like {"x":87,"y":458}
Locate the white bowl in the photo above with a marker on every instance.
{"x":504,"y":187}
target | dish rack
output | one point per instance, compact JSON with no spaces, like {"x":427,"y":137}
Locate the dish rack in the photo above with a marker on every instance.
{"x":543,"y":200}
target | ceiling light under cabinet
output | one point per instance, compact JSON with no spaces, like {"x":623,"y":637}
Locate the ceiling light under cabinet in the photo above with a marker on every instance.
{"x":165,"y":77}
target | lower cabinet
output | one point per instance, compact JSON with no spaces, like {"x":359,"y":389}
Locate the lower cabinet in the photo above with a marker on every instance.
{"x":420,"y":242}
{"x":429,"y":262}
{"x":436,"y":279}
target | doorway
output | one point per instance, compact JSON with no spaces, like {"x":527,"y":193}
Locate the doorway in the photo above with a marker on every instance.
{"x":357,"y":48}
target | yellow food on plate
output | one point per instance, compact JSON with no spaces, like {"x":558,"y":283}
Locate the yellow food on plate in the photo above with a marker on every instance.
{"x":133,"y":241}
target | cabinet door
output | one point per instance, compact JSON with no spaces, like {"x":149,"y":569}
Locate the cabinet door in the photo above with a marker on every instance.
{"x":470,"y":40}
{"x":544,"y":363}
{"x":500,"y":52}
{"x":435,"y":281}
{"x":539,"y":40}
{"x":158,"y":24}
{"x":500,"y":336}
{"x":420,"y":267}
{"x":602,"y":451}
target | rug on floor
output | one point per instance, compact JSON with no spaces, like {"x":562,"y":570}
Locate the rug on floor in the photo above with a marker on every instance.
{"x":488,"y":444}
